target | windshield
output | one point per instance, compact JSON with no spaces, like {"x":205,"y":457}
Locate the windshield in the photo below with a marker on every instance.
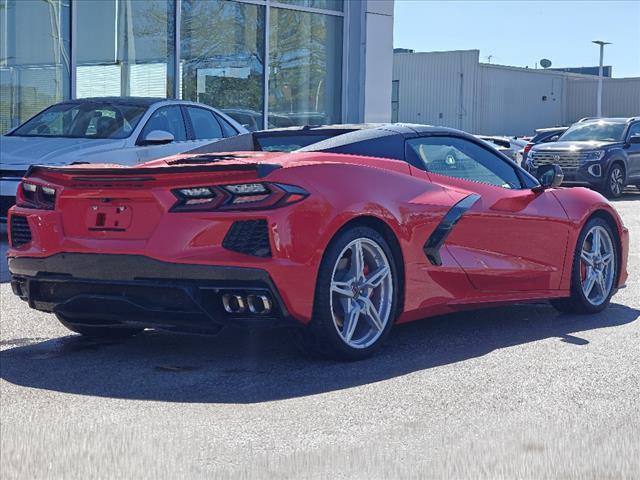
{"x":85,"y":120}
{"x":603,"y":131}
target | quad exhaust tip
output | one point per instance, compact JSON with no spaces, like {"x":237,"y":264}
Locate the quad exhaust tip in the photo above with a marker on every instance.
{"x":256,"y":303}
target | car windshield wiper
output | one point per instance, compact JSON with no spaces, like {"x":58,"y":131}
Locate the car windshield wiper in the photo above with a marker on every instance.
{"x":197,"y":159}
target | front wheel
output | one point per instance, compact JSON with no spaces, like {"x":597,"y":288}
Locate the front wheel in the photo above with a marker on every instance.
{"x":615,"y":182}
{"x":356,"y":298}
{"x":595,"y":270}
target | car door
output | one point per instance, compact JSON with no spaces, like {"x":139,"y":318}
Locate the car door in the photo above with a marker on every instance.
{"x":169,"y":119}
{"x":204,"y":126}
{"x":508,"y":237}
{"x":633,"y":154}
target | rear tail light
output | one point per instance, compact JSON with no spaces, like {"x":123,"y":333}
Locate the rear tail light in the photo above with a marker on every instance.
{"x":242,"y":196}
{"x":527,"y":147}
{"x":33,"y":195}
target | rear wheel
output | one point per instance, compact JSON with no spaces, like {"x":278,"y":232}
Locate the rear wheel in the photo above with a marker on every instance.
{"x":114,"y":332}
{"x":615,"y":182}
{"x":594,"y":272}
{"x":356,"y":297}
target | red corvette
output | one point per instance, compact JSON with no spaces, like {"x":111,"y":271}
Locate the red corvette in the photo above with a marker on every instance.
{"x":340,"y":239}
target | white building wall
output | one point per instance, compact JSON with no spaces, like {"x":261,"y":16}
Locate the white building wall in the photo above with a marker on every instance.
{"x":514,"y":101}
{"x":453,"y":89}
{"x":437,"y":88}
{"x":620,"y":97}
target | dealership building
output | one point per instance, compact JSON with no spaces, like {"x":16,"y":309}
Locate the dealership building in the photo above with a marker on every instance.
{"x":267,"y":63}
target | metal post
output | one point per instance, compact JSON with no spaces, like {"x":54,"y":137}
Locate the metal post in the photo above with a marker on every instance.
{"x":266,"y":67}
{"x":600,"y":81}
{"x":73,"y":49}
{"x":600,"y":72}
{"x":177,"y":38}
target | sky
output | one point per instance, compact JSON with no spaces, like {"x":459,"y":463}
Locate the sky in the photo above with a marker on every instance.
{"x":520,"y":33}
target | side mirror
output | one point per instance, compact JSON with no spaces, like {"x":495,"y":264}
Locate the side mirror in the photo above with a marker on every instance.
{"x":635,"y":139}
{"x":549,"y":176}
{"x":157,"y":137}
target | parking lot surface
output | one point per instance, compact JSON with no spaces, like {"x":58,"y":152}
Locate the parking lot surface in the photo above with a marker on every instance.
{"x":515,"y":392}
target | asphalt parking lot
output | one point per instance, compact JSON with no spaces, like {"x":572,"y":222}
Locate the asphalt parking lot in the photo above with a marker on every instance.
{"x":515,"y":392}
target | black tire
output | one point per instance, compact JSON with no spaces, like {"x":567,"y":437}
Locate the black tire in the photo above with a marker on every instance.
{"x":578,"y":303}
{"x":615,"y":181}
{"x":320,"y":338}
{"x":111,"y":333}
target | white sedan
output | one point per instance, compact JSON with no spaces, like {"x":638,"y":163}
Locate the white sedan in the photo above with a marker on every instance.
{"x":125,"y":130}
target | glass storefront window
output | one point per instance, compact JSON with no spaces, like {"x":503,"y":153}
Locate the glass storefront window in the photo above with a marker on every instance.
{"x":222,"y":57}
{"x":34,"y":58}
{"x":337,"y":5}
{"x":128,"y":48}
{"x":124,"y":48}
{"x":305,"y":68}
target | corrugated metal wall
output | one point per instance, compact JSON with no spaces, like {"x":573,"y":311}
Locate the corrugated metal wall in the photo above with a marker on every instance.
{"x":620,"y":97}
{"x":437,"y":88}
{"x":513,"y":101}
{"x":453,"y":89}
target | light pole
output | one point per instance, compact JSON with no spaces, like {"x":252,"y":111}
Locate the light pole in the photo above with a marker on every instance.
{"x":602,"y":44}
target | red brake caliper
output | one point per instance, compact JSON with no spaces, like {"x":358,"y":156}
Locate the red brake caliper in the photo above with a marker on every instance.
{"x":583,"y":270}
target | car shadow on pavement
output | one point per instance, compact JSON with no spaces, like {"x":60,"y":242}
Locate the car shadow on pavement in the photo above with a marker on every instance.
{"x":239,"y":367}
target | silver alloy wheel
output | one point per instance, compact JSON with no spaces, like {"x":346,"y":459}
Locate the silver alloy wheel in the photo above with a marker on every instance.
{"x":361,"y":293}
{"x":597,"y":265}
{"x":616,"y":181}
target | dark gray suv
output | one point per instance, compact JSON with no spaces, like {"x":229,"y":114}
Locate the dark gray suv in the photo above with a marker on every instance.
{"x":602,"y":153}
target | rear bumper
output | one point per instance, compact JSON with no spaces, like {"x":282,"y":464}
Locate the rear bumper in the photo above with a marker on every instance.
{"x":110,"y":289}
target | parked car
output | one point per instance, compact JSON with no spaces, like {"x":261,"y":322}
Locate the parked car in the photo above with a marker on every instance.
{"x":507,"y":145}
{"x":601,"y":153}
{"x":543,"y":135}
{"x":120,"y":130}
{"x":337,"y":241}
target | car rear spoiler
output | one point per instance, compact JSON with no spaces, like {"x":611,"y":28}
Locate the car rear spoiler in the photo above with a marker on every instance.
{"x":261,"y":169}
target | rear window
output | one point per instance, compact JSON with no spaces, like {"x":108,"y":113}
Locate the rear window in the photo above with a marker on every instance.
{"x":288,"y":143}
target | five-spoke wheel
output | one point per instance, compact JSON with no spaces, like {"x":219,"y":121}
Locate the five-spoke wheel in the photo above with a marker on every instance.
{"x":356,"y":299}
{"x":361,"y":293}
{"x":595,"y":269}
{"x":597,"y":266}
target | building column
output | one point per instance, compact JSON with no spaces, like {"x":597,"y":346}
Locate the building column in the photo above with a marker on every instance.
{"x":369,"y":65}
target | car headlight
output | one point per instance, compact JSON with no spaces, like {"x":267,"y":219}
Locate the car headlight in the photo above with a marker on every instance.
{"x":593,"y":156}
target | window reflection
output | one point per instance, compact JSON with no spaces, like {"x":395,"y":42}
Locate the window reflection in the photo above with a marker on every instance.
{"x":34,"y":58}
{"x":124,"y":48}
{"x":127,"y":48}
{"x":222,"y":57}
{"x":337,"y":5}
{"x":305,"y":68}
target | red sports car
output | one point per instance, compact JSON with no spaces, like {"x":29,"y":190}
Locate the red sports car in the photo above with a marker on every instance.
{"x":340,"y":239}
